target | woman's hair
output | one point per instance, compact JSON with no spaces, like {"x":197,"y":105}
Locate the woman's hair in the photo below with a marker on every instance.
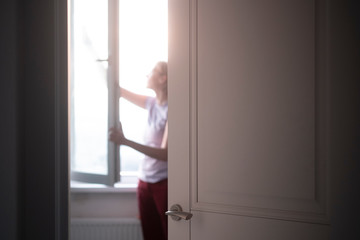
{"x":163,"y":67}
{"x":163,"y":71}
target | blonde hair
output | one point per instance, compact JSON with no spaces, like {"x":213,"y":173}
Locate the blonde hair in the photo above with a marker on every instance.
{"x":163,"y":67}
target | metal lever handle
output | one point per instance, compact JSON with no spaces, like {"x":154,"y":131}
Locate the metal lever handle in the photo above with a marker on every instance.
{"x":177,"y":214}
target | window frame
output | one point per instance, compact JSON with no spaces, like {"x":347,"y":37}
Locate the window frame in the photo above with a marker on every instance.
{"x":113,"y":156}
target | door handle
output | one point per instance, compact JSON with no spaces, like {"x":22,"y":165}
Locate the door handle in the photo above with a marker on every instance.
{"x":177,"y":214}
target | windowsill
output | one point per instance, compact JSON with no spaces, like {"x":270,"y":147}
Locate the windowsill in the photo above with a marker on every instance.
{"x":80,"y":187}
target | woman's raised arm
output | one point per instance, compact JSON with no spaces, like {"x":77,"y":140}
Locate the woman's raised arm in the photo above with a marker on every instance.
{"x":137,"y":99}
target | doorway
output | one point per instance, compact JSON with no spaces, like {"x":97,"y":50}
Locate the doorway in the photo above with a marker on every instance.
{"x":112,"y":43}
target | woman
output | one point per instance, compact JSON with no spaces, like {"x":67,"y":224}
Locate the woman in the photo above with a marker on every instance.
{"x":152,"y":187}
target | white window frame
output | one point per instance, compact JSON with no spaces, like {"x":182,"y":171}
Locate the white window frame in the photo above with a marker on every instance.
{"x":113,"y":160}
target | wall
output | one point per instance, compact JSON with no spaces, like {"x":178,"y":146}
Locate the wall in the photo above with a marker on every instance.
{"x":9,"y":139}
{"x":33,"y":158}
{"x":345,"y":118}
{"x":103,"y":203}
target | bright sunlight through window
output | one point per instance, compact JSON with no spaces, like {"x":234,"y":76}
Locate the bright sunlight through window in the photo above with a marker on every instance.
{"x":142,"y":41}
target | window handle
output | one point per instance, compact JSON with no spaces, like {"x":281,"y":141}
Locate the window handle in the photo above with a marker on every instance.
{"x":102,"y":60}
{"x":177,"y":214}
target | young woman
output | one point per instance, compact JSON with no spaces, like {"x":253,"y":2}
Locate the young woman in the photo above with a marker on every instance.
{"x":152,"y":187}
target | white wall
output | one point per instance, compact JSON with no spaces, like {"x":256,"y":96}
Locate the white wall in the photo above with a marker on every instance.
{"x":103,"y":203}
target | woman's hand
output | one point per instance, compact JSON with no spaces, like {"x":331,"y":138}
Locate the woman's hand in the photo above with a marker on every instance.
{"x":116,"y":135}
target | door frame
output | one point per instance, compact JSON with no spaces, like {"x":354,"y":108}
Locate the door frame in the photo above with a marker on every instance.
{"x":61,"y":183}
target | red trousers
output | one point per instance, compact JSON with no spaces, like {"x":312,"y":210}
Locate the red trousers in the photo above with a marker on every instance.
{"x":152,"y":201}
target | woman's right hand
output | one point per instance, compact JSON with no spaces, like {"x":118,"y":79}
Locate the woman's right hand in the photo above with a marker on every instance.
{"x":116,"y":135}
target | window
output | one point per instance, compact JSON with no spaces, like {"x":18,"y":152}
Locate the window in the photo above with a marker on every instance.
{"x":112,"y":42}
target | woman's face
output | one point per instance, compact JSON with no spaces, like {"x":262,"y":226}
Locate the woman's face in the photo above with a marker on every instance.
{"x":155,"y":78}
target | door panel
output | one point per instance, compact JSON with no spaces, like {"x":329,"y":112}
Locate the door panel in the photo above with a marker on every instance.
{"x":221,"y":226}
{"x":252,"y":127}
{"x":255,"y":92}
{"x":255,"y":98}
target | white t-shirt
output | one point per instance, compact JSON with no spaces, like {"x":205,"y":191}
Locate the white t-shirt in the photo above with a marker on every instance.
{"x":153,"y":170}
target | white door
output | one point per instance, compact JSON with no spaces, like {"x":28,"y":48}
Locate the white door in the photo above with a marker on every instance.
{"x":247,"y":118}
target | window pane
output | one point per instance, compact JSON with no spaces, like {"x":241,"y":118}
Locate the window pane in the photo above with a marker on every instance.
{"x":89,"y":93}
{"x":143,"y":41}
{"x":133,"y":120}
